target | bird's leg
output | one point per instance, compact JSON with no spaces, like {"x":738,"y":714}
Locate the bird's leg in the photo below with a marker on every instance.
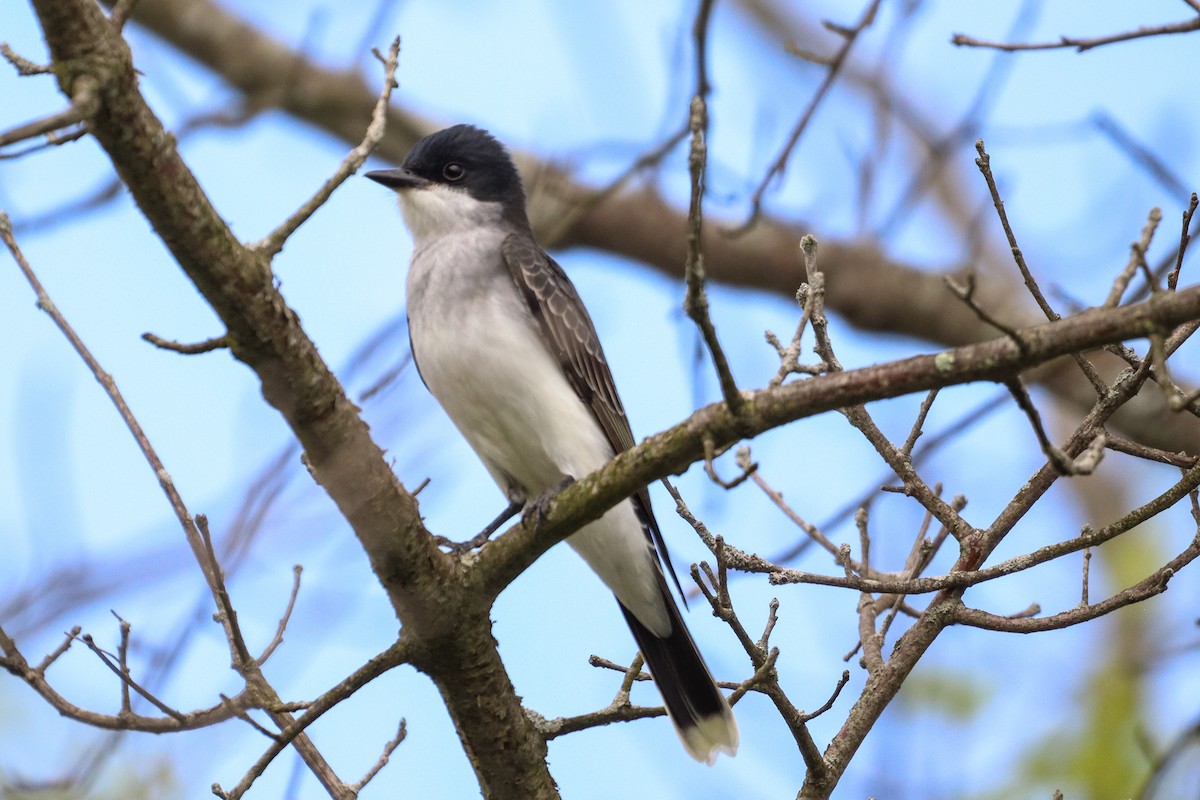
{"x":538,"y":508}
{"x":510,"y":511}
{"x":479,"y":539}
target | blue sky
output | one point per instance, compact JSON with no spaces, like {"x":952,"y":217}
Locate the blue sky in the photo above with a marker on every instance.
{"x":591,"y":84}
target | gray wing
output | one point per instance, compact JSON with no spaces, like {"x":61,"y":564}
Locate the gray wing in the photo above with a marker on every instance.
{"x":572,"y":339}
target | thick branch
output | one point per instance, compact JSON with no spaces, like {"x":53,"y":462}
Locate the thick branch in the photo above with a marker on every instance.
{"x":265,"y":334}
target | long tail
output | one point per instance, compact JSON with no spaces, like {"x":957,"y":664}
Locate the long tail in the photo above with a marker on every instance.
{"x":701,"y":715}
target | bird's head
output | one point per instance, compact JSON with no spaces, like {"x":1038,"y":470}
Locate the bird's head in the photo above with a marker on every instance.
{"x":457,"y":178}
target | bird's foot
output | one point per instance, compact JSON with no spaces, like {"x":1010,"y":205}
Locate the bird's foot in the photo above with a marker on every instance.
{"x":481,"y":538}
{"x":538,"y":509}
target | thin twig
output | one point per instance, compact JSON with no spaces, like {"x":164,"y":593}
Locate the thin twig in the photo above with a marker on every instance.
{"x":868,"y":636}
{"x":277,"y":639}
{"x":814,"y":533}
{"x":984,"y":162}
{"x":274,"y":241}
{"x":849,"y":37}
{"x":110,"y":387}
{"x":85,"y":101}
{"x":748,"y":468}
{"x":57,"y":652}
{"x":1137,"y":259}
{"x":1114,"y":441}
{"x":24,"y":67}
{"x":633,"y":671}
{"x":696,"y":299}
{"x":388,"y":749}
{"x":126,"y":680}
{"x":1082,"y":43}
{"x":919,"y":423}
{"x":394,"y":656}
{"x":766,"y":677}
{"x":1151,"y":585}
{"x":242,"y":660}
{"x":1184,"y":237}
{"x":789,"y":357}
{"x":195,"y":348}
{"x":841,"y":684}
{"x":123,"y":663}
{"x":1087,"y":563}
{"x":1061,"y":463}
{"x":966,"y":292}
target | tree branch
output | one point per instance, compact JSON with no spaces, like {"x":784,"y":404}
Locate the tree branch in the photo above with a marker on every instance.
{"x":673,"y":450}
{"x":870,"y":290}
{"x":1083,"y":43}
{"x":265,"y":334}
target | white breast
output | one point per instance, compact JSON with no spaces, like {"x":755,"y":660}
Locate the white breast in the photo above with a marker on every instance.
{"x":483,"y":358}
{"x":485,"y":362}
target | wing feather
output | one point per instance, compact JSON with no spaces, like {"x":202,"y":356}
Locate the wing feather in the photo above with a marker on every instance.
{"x":572,"y":338}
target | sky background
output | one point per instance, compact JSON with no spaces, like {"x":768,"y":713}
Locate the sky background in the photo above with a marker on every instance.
{"x":591,"y":85}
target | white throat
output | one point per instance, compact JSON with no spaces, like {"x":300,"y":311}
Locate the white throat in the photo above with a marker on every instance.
{"x":434,"y":211}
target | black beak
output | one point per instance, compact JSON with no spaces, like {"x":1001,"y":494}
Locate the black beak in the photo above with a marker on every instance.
{"x":397,"y":178}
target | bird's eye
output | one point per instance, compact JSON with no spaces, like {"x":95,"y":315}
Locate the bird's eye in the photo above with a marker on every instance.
{"x":453,"y":171}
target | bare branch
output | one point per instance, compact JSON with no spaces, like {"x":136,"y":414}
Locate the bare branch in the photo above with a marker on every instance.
{"x":1137,"y":259}
{"x":399,"y":653}
{"x":283,"y":621}
{"x":919,"y":423}
{"x":54,"y":655}
{"x":1151,"y":585}
{"x":965,"y":291}
{"x":1122,"y":445}
{"x":849,"y":36}
{"x":696,"y":300}
{"x":1087,"y":564}
{"x":837,"y":691}
{"x":123,"y":663}
{"x":206,"y":346}
{"x":614,"y":712}
{"x":1057,"y":458}
{"x":1184,"y":238}
{"x":110,"y":387}
{"x":274,"y":241}
{"x":959,"y":579}
{"x":748,"y":468}
{"x":388,"y":749}
{"x":24,"y":66}
{"x":633,"y":671}
{"x":85,"y":101}
{"x":984,"y":162}
{"x":14,"y":662}
{"x":1082,"y":43}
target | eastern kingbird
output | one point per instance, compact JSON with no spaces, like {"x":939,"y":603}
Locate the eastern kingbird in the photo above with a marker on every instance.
{"x":502,"y":340}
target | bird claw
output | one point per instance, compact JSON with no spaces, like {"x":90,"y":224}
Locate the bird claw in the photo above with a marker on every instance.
{"x":539,"y":508}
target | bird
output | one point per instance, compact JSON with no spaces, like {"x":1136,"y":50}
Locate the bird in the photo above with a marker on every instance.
{"x":502,"y":340}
